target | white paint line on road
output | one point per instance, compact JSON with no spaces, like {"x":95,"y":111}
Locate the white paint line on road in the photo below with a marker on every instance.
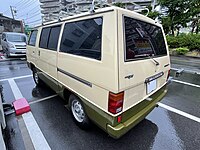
{"x":43,"y":99}
{"x":37,"y":138}
{"x":19,"y":77}
{"x":189,"y":116}
{"x":186,"y":83}
{"x":15,"y":89}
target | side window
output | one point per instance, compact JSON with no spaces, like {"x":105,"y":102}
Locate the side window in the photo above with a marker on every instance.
{"x":32,"y":38}
{"x":53,"y":38}
{"x":83,"y":38}
{"x":44,"y":37}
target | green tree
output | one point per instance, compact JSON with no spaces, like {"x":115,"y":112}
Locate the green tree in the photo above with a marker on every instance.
{"x":174,"y":11}
{"x":194,"y":11}
{"x":177,"y":13}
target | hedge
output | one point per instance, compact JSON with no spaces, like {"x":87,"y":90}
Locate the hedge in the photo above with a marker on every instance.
{"x":191,"y":41}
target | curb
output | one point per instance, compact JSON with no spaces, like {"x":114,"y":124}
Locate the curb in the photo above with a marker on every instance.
{"x":187,"y":71}
{"x":195,"y":57}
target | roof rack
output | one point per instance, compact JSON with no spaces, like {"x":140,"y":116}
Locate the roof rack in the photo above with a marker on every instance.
{"x":74,"y":9}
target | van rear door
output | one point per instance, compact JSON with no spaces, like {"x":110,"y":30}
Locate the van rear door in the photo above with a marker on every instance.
{"x":143,"y":58}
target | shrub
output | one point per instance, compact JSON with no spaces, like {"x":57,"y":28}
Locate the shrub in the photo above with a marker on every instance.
{"x":182,"y":50}
{"x":192,"y":41}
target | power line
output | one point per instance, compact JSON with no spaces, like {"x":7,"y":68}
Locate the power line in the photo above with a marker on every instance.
{"x":29,"y":13}
{"x":32,"y":16}
{"x":35,"y":21}
{"x":18,"y":3}
{"x":26,"y":6}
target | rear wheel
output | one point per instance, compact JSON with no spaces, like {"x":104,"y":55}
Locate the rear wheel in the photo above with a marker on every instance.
{"x":36,"y":78}
{"x":78,"y":113}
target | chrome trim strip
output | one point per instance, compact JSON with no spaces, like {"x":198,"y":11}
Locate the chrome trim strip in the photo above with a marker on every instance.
{"x":75,"y":77}
{"x":149,"y":79}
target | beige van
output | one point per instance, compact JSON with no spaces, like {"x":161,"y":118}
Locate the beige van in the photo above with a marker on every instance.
{"x":112,"y":66}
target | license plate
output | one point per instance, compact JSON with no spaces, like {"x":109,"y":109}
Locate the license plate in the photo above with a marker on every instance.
{"x":151,"y":86}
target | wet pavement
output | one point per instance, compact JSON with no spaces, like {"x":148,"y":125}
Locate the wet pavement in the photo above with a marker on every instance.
{"x":187,"y":63}
{"x":161,"y":130}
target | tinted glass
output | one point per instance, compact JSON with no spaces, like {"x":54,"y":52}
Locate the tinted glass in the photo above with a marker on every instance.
{"x":143,"y":39}
{"x":44,"y":37}
{"x":83,"y":38}
{"x":53,"y":37}
{"x":32,"y":39}
{"x":16,"y":38}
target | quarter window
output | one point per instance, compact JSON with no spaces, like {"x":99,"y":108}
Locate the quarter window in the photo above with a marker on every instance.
{"x":32,"y":39}
{"x":83,"y":38}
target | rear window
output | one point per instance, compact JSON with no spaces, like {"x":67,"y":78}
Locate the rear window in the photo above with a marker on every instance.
{"x":83,"y":38}
{"x":32,"y":39}
{"x":143,"y":40}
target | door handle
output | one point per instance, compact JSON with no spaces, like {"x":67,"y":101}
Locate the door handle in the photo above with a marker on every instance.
{"x":33,"y":52}
{"x":38,"y":53}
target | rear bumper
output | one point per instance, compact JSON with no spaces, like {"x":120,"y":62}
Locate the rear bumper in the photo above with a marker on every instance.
{"x":125,"y":126}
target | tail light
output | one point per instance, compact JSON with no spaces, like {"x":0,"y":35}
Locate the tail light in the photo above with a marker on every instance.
{"x":168,"y":74}
{"x":115,"y":102}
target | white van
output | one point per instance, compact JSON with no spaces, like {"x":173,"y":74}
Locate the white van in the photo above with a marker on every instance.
{"x":14,"y":44}
{"x":111,"y":66}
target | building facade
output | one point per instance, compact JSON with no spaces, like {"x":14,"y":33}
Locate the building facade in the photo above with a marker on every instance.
{"x":52,"y":8}
{"x":10,"y":25}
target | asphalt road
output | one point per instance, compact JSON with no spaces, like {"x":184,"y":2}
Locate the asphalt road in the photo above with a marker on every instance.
{"x":161,"y":130}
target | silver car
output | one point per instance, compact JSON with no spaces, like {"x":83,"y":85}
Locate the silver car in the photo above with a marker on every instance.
{"x":14,"y":44}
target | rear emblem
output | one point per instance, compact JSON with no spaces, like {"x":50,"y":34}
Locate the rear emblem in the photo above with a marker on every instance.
{"x":129,"y":76}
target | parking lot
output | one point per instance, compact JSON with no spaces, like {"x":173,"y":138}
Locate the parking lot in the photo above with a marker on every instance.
{"x":174,"y":124}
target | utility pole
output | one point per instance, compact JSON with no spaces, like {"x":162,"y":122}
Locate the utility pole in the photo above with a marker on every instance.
{"x":11,"y":9}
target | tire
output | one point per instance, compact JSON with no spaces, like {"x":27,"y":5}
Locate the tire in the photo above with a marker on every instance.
{"x":36,"y":78}
{"x":7,"y":54}
{"x":78,"y":112}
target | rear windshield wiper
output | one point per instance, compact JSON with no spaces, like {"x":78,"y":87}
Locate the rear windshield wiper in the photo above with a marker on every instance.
{"x":155,"y":61}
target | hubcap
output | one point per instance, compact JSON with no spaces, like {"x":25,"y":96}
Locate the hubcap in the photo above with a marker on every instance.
{"x":77,"y":110}
{"x":36,"y":77}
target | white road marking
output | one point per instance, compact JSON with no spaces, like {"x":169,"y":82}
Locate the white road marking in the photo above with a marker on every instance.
{"x":19,"y":77}
{"x":37,"y":138}
{"x":15,"y":89}
{"x":189,"y":116}
{"x":186,"y":83}
{"x":43,"y":99}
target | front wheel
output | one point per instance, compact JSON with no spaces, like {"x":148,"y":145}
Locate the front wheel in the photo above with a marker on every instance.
{"x":36,"y":78}
{"x":78,"y":113}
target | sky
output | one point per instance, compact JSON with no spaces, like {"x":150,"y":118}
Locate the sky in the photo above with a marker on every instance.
{"x":26,"y":10}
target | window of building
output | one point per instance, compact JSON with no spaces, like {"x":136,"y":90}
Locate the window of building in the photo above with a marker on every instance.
{"x":32,"y":39}
{"x":143,"y":40}
{"x":83,"y":38}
